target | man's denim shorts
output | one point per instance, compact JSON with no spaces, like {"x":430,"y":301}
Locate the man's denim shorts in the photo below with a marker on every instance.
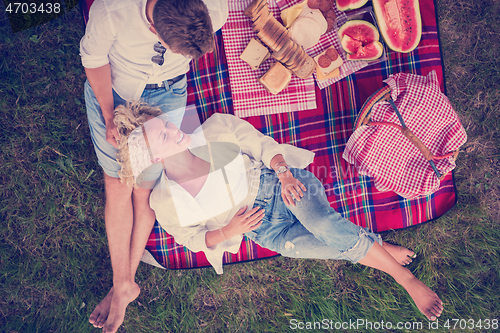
{"x":171,"y":99}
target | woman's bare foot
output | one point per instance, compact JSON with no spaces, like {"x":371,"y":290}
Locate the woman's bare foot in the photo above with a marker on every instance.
{"x":122,"y":296}
{"x":425,"y":299}
{"x":100,"y":314}
{"x":401,"y":254}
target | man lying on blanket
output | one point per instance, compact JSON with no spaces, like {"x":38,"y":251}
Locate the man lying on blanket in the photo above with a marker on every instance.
{"x":228,"y":179}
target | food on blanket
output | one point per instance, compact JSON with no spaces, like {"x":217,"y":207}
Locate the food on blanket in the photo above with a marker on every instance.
{"x":326,"y":8}
{"x":260,"y":21}
{"x":276,"y":78}
{"x":325,"y":5}
{"x":314,"y":4}
{"x":350,"y":45}
{"x":307,"y":69}
{"x":322,"y":77}
{"x":330,"y":13}
{"x":370,"y":51}
{"x":331,"y":24}
{"x":360,"y":30}
{"x":254,"y":7}
{"x":316,"y":15}
{"x":328,"y":61}
{"x":273,"y":34}
{"x":305,"y":32}
{"x":323,"y":61}
{"x":268,"y":30}
{"x":289,"y":14}
{"x":255,"y":54}
{"x":360,"y":40}
{"x":284,"y":50}
{"x":344,"y":5}
{"x":332,"y":53}
{"x":400,"y":23}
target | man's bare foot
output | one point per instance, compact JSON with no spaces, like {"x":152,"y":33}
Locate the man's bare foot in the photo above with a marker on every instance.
{"x":122,"y":296}
{"x":425,"y":299}
{"x":401,"y":254}
{"x":100,"y":314}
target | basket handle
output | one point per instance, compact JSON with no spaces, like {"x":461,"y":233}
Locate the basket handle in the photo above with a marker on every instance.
{"x":417,"y":143}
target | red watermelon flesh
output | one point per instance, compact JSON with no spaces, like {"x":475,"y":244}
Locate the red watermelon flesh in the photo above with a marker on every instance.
{"x":360,"y":30}
{"x":370,"y":51}
{"x":350,"y":45}
{"x":344,"y":5}
{"x":400,"y":23}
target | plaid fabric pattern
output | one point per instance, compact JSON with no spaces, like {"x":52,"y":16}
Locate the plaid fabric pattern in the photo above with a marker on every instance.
{"x":325,"y":130}
{"x":384,"y":154}
{"x":250,"y":98}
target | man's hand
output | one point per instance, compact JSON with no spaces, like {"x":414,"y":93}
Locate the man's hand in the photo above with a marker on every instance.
{"x":112,"y":135}
{"x":291,"y":188}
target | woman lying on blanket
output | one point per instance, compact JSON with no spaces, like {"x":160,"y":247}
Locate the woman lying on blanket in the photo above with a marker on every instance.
{"x":228,"y":179}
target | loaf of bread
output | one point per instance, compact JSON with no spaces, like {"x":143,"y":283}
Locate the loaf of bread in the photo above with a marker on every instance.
{"x":290,"y":54}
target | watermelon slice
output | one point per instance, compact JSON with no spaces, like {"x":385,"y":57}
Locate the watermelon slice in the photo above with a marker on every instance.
{"x":360,"y":39}
{"x":350,"y":45}
{"x":400,"y":23}
{"x":360,"y":30}
{"x":344,"y":5}
{"x":370,"y":51}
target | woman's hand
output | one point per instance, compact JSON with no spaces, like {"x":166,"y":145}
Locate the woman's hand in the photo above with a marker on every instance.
{"x":291,"y":188}
{"x":244,"y":222}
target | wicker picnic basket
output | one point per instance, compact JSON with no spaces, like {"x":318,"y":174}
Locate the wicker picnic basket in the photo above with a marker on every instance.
{"x":364,"y":119}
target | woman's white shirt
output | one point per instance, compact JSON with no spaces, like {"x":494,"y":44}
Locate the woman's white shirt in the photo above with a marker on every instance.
{"x":221,"y":131}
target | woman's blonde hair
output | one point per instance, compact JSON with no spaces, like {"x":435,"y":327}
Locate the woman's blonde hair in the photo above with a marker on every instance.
{"x":127,"y":118}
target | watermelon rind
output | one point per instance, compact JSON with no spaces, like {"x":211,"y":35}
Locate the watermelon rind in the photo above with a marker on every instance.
{"x":345,"y":5}
{"x":370,"y":51}
{"x":361,"y":30}
{"x":399,"y":22}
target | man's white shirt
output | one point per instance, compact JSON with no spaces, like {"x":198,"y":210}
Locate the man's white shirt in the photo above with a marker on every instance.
{"x":118,"y":33}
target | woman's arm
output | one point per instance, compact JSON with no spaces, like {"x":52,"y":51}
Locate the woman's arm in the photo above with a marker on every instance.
{"x":240,"y":223}
{"x":290,"y":186}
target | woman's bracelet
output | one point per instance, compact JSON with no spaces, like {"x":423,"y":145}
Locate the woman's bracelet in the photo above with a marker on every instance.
{"x":222,"y":234}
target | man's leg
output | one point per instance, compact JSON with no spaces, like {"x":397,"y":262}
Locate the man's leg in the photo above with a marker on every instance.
{"x":127,"y":243}
{"x":118,"y":216}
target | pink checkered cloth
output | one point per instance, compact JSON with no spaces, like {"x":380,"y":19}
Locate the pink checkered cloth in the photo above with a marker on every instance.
{"x":384,"y":154}
{"x":250,"y":98}
{"x":331,"y":39}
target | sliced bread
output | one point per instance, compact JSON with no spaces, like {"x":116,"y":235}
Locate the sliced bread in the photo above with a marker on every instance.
{"x":276,"y":78}
{"x":255,"y":54}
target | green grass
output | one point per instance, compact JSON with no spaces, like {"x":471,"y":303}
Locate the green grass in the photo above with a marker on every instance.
{"x":54,"y":261}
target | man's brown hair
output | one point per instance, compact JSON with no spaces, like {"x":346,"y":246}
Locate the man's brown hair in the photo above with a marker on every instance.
{"x":185,"y":26}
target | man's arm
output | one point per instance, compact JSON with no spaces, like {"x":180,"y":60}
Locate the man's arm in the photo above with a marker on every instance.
{"x":100,"y":81}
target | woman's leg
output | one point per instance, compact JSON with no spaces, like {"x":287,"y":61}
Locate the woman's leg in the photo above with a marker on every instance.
{"x":315,"y":230}
{"x":426,"y":300}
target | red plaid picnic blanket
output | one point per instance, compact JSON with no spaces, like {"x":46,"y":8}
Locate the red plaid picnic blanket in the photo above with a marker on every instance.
{"x":324,"y":130}
{"x":390,"y":159}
